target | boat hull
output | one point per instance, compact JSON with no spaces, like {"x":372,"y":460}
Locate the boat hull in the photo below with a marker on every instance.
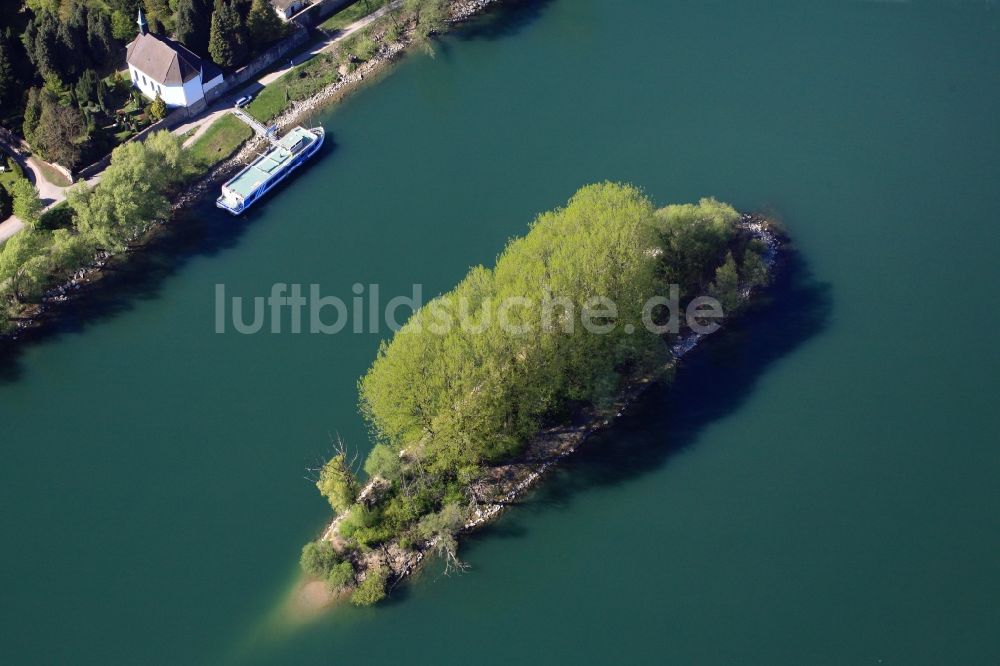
{"x":241,"y":207}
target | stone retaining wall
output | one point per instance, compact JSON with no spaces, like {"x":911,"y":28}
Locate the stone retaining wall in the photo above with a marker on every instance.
{"x":316,"y":12}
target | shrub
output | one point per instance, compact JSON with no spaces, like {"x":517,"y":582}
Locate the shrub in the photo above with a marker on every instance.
{"x":14,"y":167}
{"x":372,"y":588}
{"x":341,"y":577}
{"x":337,"y":483}
{"x":319,"y":558}
{"x":366,"y":526}
{"x":158,"y":108}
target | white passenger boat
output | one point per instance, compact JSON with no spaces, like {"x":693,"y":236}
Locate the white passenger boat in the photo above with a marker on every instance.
{"x":270,"y":168}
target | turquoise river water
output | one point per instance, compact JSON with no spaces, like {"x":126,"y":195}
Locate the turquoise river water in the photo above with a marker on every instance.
{"x":820,"y":486}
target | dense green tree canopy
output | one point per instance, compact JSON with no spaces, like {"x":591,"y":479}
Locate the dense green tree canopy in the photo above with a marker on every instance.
{"x":132,"y":194}
{"x":193,"y":24}
{"x":337,"y":483}
{"x":558,"y":322}
{"x":372,"y":588}
{"x":27,"y":205}
{"x":228,"y":38}
{"x":467,"y":396}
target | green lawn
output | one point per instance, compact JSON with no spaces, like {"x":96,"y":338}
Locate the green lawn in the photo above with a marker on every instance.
{"x":7,"y":179}
{"x":220,"y":140}
{"x":304,"y":81}
{"x":52,"y":175}
{"x":351,"y":13}
{"x":270,"y":101}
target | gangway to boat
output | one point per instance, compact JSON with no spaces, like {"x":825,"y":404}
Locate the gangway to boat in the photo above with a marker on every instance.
{"x":268,"y":133}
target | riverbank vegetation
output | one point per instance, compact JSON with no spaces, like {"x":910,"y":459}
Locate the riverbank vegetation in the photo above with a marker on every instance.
{"x":418,"y":20}
{"x":446,"y":402}
{"x":353,"y":12}
{"x":100,"y":221}
{"x":67,"y":238}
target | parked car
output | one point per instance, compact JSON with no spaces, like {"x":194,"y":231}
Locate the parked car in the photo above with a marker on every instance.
{"x":243,"y":101}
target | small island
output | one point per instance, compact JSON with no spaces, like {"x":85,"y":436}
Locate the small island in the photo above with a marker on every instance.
{"x":488,"y":385}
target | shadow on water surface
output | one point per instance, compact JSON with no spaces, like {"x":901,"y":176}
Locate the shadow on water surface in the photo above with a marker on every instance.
{"x":201,"y":230}
{"x":714,"y":381}
{"x":501,"y":21}
{"x":504,"y":20}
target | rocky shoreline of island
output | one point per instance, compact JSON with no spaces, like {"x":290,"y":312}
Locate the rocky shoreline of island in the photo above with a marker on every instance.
{"x":503,"y":485}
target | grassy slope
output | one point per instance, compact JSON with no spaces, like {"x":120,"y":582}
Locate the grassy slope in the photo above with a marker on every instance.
{"x":352,"y":13}
{"x":54,"y":176}
{"x":220,"y":140}
{"x":302,"y":82}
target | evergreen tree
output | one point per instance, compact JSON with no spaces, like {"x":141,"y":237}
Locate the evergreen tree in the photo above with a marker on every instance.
{"x":127,"y":7}
{"x":32,"y":112}
{"x":6,"y":208}
{"x":86,"y":88}
{"x":263,"y":24}
{"x":159,"y":14}
{"x":192,"y":24}
{"x":99,"y":38}
{"x":227,"y":43}
{"x":74,"y":56}
{"x":8,"y":84}
{"x":41,"y":42}
{"x":102,"y":96}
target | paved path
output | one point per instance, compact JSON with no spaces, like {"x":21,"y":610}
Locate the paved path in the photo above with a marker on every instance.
{"x":49,"y":193}
{"x":225,"y":103}
{"x":9,"y":227}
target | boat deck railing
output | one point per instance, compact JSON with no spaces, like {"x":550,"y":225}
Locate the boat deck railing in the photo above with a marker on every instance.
{"x":257,"y":127}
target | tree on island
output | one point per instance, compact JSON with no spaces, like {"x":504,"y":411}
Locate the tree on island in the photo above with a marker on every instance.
{"x":319,"y":558}
{"x":372,"y":588}
{"x":447,"y":402}
{"x":442,"y":529}
{"x":726,"y":286}
{"x":340,"y":577}
{"x":337,"y":482}
{"x":383,"y":462}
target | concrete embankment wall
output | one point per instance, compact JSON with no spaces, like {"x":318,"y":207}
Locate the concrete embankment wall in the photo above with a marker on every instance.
{"x":260,"y":63}
{"x":318,"y":11}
